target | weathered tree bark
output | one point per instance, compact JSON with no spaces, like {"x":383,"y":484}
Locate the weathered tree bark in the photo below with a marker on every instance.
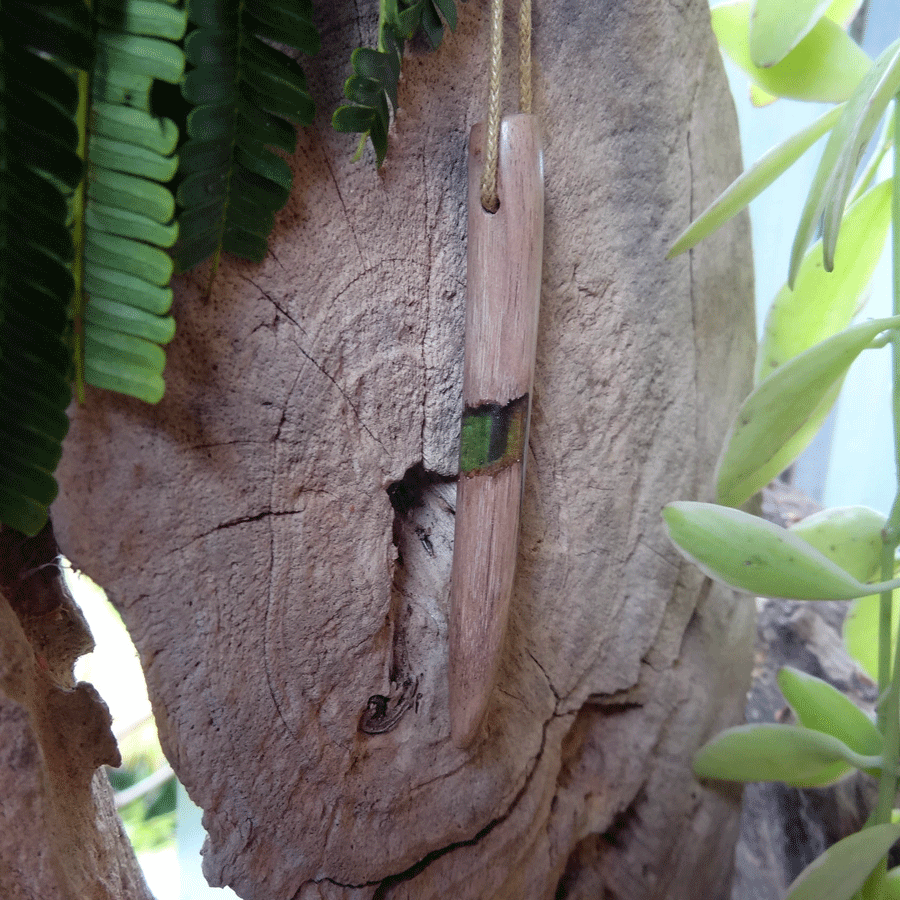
{"x":287,"y":586}
{"x":60,"y":834}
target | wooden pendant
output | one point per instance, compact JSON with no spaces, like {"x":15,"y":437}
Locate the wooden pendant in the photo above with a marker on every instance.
{"x":505,"y":251}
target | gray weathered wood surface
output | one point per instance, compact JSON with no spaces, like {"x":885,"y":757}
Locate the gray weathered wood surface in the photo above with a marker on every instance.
{"x":293,"y":625}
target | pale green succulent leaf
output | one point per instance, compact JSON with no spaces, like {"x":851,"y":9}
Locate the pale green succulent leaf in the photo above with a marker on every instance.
{"x":824,"y":708}
{"x":784,"y":412}
{"x":777,"y":27}
{"x":760,"y":98}
{"x":832,"y":181}
{"x":849,"y":536}
{"x":823,"y":303}
{"x":843,"y":11}
{"x":844,"y":867}
{"x":753,"y":182}
{"x":861,"y":631}
{"x":891,"y":884}
{"x":825,"y":66}
{"x":752,"y":555}
{"x":791,"y":754}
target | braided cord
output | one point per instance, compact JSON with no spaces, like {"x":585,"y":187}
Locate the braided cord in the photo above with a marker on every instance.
{"x":490,"y":198}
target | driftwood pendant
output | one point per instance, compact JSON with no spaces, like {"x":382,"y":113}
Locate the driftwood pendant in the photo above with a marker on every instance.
{"x":505,"y":251}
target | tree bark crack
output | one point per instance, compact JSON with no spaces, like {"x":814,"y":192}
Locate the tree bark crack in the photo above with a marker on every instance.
{"x":543,"y":671}
{"x":427,"y":309}
{"x":347,"y":215}
{"x":246,"y":520}
{"x":317,"y":364}
{"x":384,"y":885}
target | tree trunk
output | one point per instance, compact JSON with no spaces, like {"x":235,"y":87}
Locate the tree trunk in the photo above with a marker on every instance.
{"x":60,"y":835}
{"x":277,"y":533}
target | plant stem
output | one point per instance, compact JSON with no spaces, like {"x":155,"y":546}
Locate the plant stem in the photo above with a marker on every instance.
{"x":892,"y":532}
{"x":892,"y":527}
{"x":387,"y":12}
{"x":889,"y":709}
{"x":888,"y":713}
{"x":79,"y":204}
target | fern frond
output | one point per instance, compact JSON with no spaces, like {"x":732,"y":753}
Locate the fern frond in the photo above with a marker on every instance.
{"x":128,"y":217}
{"x":41,"y":43}
{"x":376,"y":73}
{"x":247,"y":97}
{"x":59,"y":30}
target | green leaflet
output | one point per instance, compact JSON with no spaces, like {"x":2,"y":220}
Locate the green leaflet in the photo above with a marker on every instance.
{"x":38,"y":165}
{"x":114,"y":347}
{"x":134,"y":380}
{"x":247,"y":98}
{"x":376,"y":73}
{"x":127,"y":221}
{"x":135,"y":126}
{"x":129,"y":320}
{"x":156,"y":18}
{"x":100,"y":218}
{"x":101,"y":281}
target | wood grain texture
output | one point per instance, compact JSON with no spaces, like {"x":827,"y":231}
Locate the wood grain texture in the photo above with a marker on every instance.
{"x":505,"y":253}
{"x":503,"y":298}
{"x":484,"y":566}
{"x":244,"y":529}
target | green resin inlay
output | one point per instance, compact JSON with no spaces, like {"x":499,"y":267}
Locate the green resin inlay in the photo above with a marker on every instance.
{"x":493,"y":436}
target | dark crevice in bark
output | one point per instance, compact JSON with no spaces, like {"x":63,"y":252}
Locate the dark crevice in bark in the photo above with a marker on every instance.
{"x":407,"y":494}
{"x":383,"y":712}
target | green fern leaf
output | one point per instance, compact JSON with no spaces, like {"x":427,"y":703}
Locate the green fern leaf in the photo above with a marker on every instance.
{"x":41,"y":43}
{"x":376,"y":73}
{"x":60,"y":30}
{"x":247,"y":97}
{"x":284,"y":23}
{"x":142,"y":17}
{"x":128,"y":217}
{"x":44,"y":77}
